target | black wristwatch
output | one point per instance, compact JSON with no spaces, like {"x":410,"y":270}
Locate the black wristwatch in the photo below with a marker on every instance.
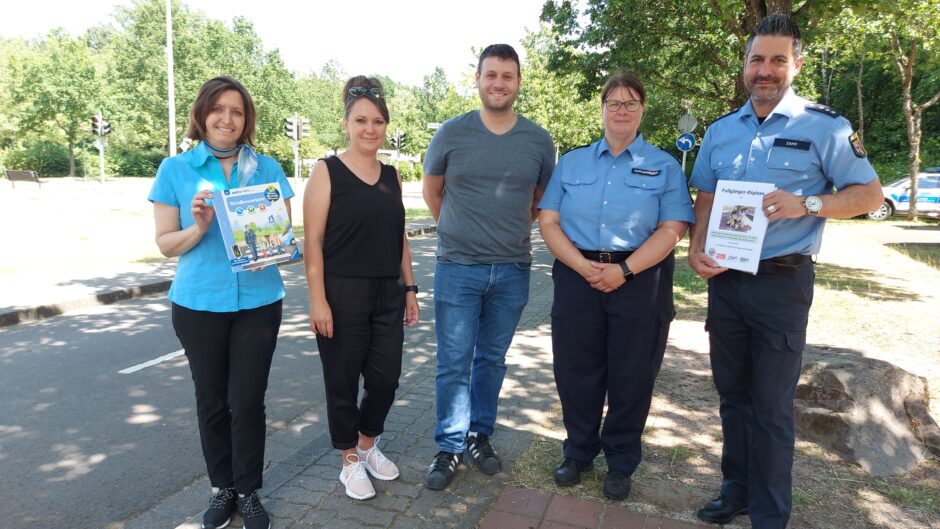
{"x":627,"y":274}
{"x":411,"y":288}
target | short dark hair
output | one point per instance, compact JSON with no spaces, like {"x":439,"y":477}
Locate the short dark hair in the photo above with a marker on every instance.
{"x":208,"y":94}
{"x":777,"y":25}
{"x":500,"y":51}
{"x":365,"y":82}
{"x":625,"y":80}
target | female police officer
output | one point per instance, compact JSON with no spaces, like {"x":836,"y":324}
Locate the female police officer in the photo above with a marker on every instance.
{"x":611,"y":215}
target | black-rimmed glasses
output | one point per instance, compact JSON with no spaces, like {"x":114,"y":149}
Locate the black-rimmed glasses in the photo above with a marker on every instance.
{"x":613,"y":105}
{"x":357,"y":91}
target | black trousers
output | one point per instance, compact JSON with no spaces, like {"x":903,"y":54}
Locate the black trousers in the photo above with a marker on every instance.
{"x":230,"y":357}
{"x":757,"y":329}
{"x":368,"y":336}
{"x":609,"y":346}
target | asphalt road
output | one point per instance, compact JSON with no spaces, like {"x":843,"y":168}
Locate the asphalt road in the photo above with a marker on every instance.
{"x":83,"y":445}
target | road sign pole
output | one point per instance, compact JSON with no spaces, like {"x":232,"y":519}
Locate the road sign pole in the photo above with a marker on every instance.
{"x":683,"y":162}
{"x":296,"y":142}
{"x":101,"y":144}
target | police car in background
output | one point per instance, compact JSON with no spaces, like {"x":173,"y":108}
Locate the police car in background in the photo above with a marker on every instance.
{"x":898,"y":199}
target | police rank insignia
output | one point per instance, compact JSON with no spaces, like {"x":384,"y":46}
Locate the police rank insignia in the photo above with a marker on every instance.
{"x":857,"y":147}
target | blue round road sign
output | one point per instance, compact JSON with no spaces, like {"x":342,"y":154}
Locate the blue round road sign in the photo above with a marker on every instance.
{"x":685,"y":142}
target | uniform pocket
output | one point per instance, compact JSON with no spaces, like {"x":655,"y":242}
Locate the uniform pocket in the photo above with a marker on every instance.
{"x":639,"y":181}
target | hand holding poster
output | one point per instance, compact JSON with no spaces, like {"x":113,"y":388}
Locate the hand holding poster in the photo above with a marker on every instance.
{"x":737,"y":224}
{"x":255,"y":226}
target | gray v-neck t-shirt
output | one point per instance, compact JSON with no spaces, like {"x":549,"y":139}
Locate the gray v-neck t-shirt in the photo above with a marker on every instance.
{"x":489,"y":185}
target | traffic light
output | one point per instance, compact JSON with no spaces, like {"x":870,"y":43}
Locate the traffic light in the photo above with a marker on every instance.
{"x":290,"y":127}
{"x":303,"y":129}
{"x":105,"y":127}
{"x":95,"y":126}
{"x":399,"y":140}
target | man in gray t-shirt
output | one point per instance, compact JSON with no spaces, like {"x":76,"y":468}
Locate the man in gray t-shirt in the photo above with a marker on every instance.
{"x":485,"y":171}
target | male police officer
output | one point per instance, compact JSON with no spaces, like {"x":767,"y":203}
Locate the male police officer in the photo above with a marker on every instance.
{"x":757,"y":323}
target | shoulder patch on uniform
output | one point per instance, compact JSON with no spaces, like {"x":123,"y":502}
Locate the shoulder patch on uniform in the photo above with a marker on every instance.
{"x":822,"y":109}
{"x":576,"y":148}
{"x":857,"y":146}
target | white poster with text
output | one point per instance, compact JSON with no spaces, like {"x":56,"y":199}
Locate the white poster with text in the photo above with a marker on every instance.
{"x":737,"y":224}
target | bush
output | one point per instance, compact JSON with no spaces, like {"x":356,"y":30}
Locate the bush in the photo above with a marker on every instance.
{"x":134,"y":162}
{"x":410,"y":172}
{"x":44,"y":157}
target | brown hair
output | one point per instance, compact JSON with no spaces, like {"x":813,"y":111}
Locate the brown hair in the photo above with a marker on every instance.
{"x":500,"y":51}
{"x":624,"y":80}
{"x":368,"y":83}
{"x":208,"y":94}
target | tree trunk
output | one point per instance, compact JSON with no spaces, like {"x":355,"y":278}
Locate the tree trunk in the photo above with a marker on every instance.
{"x":858,"y":96}
{"x":71,"y":157}
{"x":912,"y":115}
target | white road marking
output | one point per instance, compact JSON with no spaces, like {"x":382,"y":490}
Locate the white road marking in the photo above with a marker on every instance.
{"x":155,"y":361}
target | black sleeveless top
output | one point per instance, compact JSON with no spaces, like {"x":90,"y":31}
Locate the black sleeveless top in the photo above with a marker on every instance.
{"x":365,"y":225}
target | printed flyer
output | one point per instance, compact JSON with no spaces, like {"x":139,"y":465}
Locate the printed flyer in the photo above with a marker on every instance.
{"x":737,"y":224}
{"x":255,"y":226}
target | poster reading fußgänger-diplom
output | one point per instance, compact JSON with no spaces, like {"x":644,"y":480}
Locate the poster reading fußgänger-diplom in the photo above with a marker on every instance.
{"x":737,"y":224}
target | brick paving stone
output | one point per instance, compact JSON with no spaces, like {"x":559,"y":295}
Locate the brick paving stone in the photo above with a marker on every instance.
{"x":505,"y":520}
{"x":615,"y":517}
{"x":548,"y":524}
{"x":295,"y":494}
{"x":522,"y":501}
{"x":283,"y":510}
{"x":580,"y":513}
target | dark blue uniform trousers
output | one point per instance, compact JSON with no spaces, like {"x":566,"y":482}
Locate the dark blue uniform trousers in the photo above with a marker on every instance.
{"x":757,"y":330}
{"x":609,"y":345}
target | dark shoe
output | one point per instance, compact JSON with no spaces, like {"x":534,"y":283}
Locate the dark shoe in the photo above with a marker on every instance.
{"x":442,"y":470}
{"x":253,"y":514}
{"x":617,"y":485}
{"x":220,"y":510}
{"x":569,"y":473}
{"x":482,"y":454}
{"x":721,"y":510}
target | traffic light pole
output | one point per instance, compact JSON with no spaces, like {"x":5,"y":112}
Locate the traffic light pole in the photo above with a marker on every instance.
{"x":298,"y":126}
{"x":100,"y":144}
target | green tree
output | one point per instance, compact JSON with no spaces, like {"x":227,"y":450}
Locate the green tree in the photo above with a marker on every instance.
{"x":552,"y":99}
{"x":57,"y":84}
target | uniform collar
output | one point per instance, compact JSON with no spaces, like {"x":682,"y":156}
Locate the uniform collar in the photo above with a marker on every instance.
{"x":635,"y":147}
{"x":789,"y":106}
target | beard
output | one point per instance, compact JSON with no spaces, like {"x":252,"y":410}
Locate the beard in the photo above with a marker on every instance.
{"x":493,"y":106}
{"x":765,"y":94}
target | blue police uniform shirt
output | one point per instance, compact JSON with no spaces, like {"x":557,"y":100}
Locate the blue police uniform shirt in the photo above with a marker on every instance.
{"x":204,"y":278}
{"x":614,"y":204}
{"x":800,"y":150}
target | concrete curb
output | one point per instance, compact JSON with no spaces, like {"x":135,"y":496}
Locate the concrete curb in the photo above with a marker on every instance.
{"x":20,"y":315}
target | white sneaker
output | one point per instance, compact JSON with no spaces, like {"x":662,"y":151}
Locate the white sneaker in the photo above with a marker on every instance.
{"x":355,"y":479}
{"x":377,"y":464}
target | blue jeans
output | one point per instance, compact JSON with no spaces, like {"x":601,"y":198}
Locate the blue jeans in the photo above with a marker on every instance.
{"x":477,"y":309}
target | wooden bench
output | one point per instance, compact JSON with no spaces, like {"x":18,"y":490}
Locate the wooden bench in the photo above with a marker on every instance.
{"x":22,"y":176}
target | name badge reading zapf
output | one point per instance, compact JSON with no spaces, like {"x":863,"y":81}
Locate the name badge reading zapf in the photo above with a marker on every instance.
{"x":792,"y":144}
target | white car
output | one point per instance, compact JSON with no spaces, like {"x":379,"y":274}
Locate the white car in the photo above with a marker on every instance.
{"x":898,"y":199}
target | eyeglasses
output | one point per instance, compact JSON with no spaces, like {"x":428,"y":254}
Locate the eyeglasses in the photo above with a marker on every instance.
{"x":357,"y":91}
{"x":614,"y":105}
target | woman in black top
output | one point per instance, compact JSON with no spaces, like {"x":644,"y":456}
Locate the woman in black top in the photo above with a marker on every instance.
{"x":361,"y":285}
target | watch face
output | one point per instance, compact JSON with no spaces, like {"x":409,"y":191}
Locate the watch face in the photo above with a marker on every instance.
{"x":813,"y":204}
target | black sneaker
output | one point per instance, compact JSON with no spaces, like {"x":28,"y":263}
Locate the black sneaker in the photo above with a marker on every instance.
{"x":442,"y":470}
{"x":482,"y":454}
{"x":220,"y":510}
{"x":253,"y":513}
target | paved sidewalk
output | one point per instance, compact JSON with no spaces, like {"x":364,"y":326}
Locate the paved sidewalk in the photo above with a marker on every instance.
{"x":301,"y":486}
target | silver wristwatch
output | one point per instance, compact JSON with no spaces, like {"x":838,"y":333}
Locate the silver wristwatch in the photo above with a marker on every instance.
{"x":812,"y":204}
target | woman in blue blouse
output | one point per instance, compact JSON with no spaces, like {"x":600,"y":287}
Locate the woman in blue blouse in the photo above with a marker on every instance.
{"x":227,"y":322}
{"x":611,"y":215}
